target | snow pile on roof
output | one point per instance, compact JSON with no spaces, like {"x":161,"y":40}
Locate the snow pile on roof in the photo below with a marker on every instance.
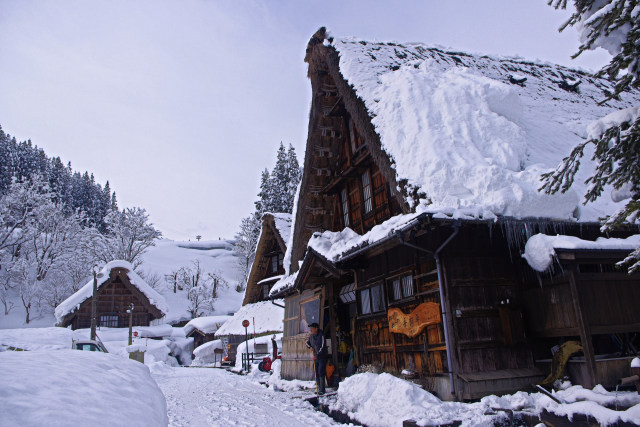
{"x":263,"y":316}
{"x":283,"y":225}
{"x":37,"y":338}
{"x":283,"y":284}
{"x":385,"y":400}
{"x":205,"y":324}
{"x":72,"y":387}
{"x":73,"y":302}
{"x":157,"y":331}
{"x":540,"y":250}
{"x":206,"y":353}
{"x":332,"y":245}
{"x":474,"y":139}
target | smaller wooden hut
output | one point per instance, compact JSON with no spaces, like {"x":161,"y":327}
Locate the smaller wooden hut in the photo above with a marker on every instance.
{"x":118,"y":287}
{"x":267,"y":267}
{"x":203,"y":329}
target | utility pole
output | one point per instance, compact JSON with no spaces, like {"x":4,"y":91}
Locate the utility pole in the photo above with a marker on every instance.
{"x":130,"y":311}
{"x":94,"y":303}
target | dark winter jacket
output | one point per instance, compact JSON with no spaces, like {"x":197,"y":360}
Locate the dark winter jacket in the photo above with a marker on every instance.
{"x":318,"y":344}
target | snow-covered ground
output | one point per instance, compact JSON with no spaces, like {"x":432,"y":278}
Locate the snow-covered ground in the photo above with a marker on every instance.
{"x":214,"y":397}
{"x":70,"y":387}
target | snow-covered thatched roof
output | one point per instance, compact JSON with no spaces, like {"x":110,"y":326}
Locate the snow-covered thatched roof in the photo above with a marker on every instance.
{"x":275,"y":230}
{"x":282,"y":222}
{"x":474,"y":133}
{"x":72,"y":303}
{"x":205,"y":324}
{"x":264,"y":316}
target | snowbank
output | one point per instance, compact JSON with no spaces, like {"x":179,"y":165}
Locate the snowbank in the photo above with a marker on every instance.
{"x":264,"y":317}
{"x":37,"y":338}
{"x":278,"y":384}
{"x":71,"y":387}
{"x":384,"y":400}
{"x":157,"y":331}
{"x":540,"y":249}
{"x":458,"y":129}
{"x":205,"y":324}
{"x":73,"y":302}
{"x":205,"y":354}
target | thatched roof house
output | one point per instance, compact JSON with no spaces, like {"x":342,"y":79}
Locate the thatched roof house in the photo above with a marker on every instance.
{"x":268,"y":265}
{"x":119,"y":286}
{"x":420,"y":189}
{"x":203,"y":329}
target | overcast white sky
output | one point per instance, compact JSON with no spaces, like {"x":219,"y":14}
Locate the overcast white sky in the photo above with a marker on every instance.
{"x":181,"y":104}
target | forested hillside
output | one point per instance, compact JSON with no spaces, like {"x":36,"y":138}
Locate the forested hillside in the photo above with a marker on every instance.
{"x":21,"y":161}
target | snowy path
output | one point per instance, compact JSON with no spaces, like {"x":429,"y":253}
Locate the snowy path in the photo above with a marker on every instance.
{"x":215,"y":397}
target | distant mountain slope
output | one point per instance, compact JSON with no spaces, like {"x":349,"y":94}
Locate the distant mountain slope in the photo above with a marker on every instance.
{"x":215,"y":256}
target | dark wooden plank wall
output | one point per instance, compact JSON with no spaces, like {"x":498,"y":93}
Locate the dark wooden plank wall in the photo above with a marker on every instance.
{"x":486,"y":308}
{"x":114,"y":299}
{"x":391,"y":351}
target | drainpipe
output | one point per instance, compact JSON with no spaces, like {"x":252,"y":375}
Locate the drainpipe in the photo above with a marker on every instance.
{"x":443,"y":305}
{"x":436,"y":256}
{"x":273,"y":301}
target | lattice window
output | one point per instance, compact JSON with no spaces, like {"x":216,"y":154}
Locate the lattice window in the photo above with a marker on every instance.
{"x":109,"y":321}
{"x":366,"y":192}
{"x":345,"y":207}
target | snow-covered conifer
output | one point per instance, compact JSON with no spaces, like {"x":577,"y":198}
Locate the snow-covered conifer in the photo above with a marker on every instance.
{"x":614,"y":26}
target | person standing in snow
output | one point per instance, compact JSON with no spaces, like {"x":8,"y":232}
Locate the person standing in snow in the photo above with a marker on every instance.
{"x":318,"y":345}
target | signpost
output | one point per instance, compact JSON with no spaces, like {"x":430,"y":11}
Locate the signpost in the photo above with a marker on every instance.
{"x":246,"y":324}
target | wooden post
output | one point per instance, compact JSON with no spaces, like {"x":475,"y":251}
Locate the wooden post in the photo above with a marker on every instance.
{"x":94,"y":304}
{"x":585,"y":330}
{"x":131,"y":307}
{"x":333,"y":323}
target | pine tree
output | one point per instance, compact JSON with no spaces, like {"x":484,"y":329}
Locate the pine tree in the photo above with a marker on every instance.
{"x":614,"y":25}
{"x":295,"y":175}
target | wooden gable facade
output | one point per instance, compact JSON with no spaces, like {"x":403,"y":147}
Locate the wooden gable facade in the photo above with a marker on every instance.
{"x":115,"y":297}
{"x":267,"y":266}
{"x":496,"y":319}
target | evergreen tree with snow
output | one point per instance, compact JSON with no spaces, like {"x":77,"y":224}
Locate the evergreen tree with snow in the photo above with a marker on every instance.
{"x":614,"y":26}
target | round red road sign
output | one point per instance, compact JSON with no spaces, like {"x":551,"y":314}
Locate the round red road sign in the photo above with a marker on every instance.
{"x":245,"y":323}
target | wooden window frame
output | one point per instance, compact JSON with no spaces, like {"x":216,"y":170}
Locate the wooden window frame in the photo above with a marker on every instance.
{"x":344,"y":198}
{"x":109,"y":320}
{"x":369,"y":291}
{"x":403,"y":295}
{"x":367,"y":199}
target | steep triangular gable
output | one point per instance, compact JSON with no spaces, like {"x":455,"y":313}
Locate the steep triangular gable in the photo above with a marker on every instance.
{"x":331,"y":97}
{"x":271,"y":237}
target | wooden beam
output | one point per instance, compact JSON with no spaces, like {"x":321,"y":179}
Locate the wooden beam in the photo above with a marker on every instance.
{"x":583,"y":327}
